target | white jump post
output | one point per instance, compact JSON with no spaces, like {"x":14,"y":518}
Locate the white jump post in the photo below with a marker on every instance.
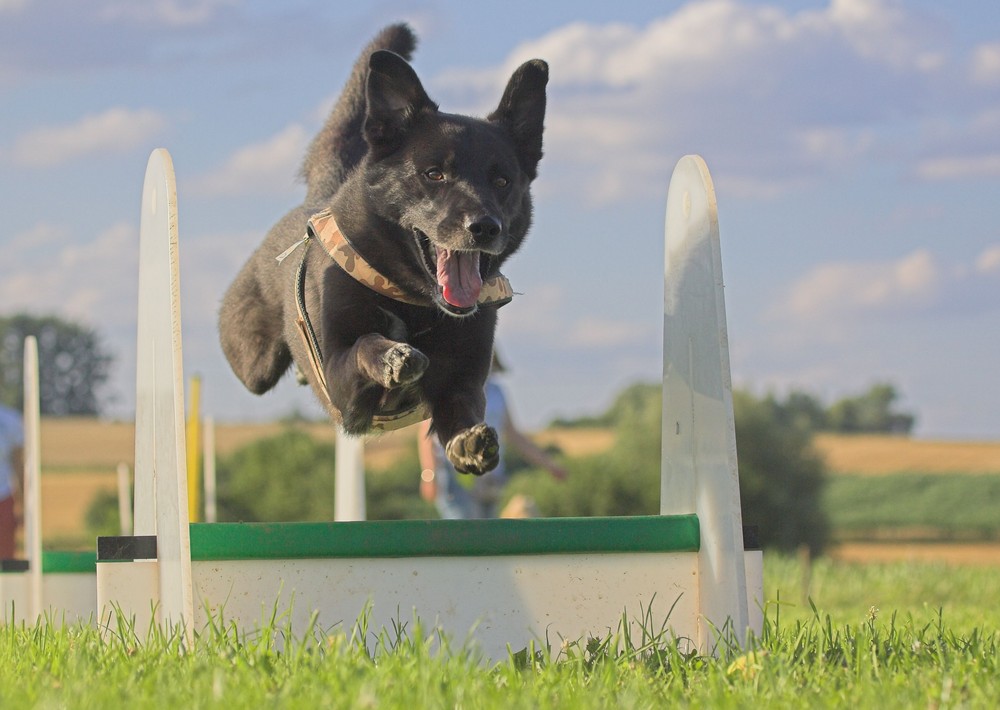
{"x":208,"y":467}
{"x":32,"y":478}
{"x":124,"y":478}
{"x":160,"y":451}
{"x":508,"y":583}
{"x":349,"y":484}
{"x":698,"y":468}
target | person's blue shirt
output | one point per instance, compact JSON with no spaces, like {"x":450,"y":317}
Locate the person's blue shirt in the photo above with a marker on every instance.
{"x":11,"y":438}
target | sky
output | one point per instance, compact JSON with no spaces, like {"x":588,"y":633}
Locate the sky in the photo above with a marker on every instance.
{"x":854,"y":145}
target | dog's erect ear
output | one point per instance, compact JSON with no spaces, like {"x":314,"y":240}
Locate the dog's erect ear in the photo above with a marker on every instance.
{"x":522,"y":111}
{"x":395,"y":97}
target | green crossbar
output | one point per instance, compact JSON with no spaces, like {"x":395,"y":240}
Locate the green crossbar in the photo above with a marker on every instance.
{"x":63,"y":562}
{"x":444,"y":538}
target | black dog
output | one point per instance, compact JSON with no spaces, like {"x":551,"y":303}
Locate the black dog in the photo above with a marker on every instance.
{"x":392,"y":316}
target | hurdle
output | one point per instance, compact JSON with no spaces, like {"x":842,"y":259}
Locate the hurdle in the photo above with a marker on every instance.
{"x":498,"y":585}
{"x":52,"y":584}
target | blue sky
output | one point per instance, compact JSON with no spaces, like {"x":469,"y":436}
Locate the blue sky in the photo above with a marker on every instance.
{"x":855,"y":146}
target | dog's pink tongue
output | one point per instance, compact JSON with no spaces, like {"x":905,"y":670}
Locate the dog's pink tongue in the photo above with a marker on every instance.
{"x":459,"y":278}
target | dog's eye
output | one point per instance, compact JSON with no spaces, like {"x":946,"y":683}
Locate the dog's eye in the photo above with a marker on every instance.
{"x":434,"y":174}
{"x":501,"y":181}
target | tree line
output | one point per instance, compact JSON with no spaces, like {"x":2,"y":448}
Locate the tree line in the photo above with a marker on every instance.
{"x":871,"y":412}
{"x":74,"y":365}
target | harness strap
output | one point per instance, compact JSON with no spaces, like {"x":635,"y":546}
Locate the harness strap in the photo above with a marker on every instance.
{"x":385,"y":421}
{"x":323,"y":228}
{"x":305,"y":325}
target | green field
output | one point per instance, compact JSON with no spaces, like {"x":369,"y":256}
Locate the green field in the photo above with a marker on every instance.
{"x":923,"y":506}
{"x":900,"y":635}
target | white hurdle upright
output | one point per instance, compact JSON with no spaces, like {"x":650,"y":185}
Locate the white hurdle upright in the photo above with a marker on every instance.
{"x":163,"y":575}
{"x":501,"y":585}
{"x":59,"y":585}
{"x":699,"y":471}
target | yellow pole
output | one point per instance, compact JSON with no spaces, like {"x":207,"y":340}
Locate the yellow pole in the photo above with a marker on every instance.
{"x":194,"y":451}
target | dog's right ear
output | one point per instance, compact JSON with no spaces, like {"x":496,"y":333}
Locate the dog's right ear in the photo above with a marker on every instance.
{"x":395,"y":98}
{"x":522,"y":112}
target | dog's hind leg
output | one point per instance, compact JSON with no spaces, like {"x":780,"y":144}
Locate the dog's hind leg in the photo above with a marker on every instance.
{"x":250,"y":330}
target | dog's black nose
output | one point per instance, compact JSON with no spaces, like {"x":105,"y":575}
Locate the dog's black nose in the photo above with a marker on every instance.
{"x":485,"y":227}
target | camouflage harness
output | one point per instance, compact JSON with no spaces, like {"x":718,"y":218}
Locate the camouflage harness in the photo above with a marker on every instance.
{"x":322,"y":227}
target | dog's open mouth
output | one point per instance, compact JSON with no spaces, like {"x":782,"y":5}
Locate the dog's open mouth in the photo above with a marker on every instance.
{"x":459,"y":281}
{"x":458,"y":277}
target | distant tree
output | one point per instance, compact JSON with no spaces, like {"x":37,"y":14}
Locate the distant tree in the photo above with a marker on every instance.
{"x":287,"y":477}
{"x":781,"y":475}
{"x":801,"y":411}
{"x":871,"y":412}
{"x":394,"y":493}
{"x":72,"y":361}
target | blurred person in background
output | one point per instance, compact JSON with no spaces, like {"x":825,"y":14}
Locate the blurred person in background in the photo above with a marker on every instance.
{"x":463,"y":496}
{"x":11,"y":476}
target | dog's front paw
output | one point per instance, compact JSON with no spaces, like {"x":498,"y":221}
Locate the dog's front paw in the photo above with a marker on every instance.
{"x":401,"y":365}
{"x":475,"y":450}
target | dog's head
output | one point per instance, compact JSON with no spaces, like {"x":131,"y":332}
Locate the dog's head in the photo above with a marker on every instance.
{"x":458,"y":185}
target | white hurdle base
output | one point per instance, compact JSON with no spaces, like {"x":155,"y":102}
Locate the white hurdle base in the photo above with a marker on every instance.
{"x":68,"y":589}
{"x":498,"y":585}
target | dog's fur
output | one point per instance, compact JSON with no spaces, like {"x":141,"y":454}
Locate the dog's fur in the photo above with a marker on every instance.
{"x":405,"y":182}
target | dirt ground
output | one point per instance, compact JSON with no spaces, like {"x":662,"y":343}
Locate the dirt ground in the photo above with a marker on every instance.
{"x":979,"y":554}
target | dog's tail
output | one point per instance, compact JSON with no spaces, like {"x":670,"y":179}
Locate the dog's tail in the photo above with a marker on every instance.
{"x":340,"y":145}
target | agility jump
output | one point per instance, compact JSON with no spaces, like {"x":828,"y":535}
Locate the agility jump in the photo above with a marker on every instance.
{"x":501,"y":584}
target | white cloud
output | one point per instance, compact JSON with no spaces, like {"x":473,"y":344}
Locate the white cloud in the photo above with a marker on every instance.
{"x":833,"y":145}
{"x":38,"y":240}
{"x":169,"y":13}
{"x":835,"y":295}
{"x":774,"y":98}
{"x":116,"y":130}
{"x":985,"y":67}
{"x":260,"y":168}
{"x":988,"y":262}
{"x":865,"y":288}
{"x":604,"y":333}
{"x":540,"y":316}
{"x":93,"y":280}
{"x":960,"y":167}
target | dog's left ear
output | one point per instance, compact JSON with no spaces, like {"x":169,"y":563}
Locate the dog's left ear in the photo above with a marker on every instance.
{"x":395,"y":97}
{"x":522,"y":111}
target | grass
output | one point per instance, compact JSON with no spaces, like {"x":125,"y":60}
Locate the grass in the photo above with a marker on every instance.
{"x":881,"y":640}
{"x":968,"y":597}
{"x":932,"y":506}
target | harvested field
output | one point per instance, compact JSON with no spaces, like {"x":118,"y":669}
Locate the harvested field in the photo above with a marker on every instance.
{"x":881,"y":455}
{"x":978,"y":554}
{"x":67,"y":497}
{"x":90,"y":443}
